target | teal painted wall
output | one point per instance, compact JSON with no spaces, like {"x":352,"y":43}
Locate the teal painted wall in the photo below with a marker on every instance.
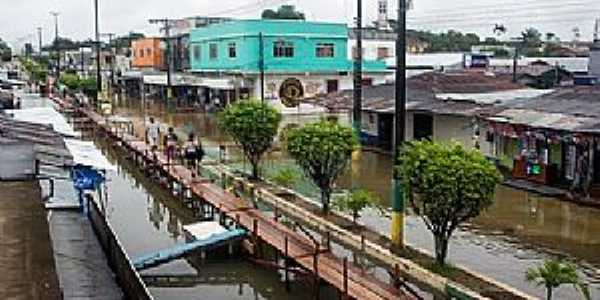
{"x":245,"y":34}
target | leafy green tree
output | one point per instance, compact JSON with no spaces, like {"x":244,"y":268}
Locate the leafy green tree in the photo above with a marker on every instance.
{"x":285,"y":177}
{"x":553,"y":273}
{"x":5,"y":51}
{"x":323,"y":150}
{"x":355,"y":202}
{"x":285,"y":12}
{"x":532,"y":38}
{"x":70,"y":80}
{"x":253,"y":126}
{"x":446,"y":185}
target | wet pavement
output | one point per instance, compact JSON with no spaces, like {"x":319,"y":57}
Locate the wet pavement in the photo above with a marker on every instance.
{"x":517,"y":232}
{"x":27,"y":266}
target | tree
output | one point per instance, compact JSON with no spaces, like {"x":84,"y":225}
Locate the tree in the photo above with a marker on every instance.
{"x":323,"y":150}
{"x":532,"y":38}
{"x":551,"y":37}
{"x":355,"y":202}
{"x":5,"y":51}
{"x":285,"y":177}
{"x":253,"y":126}
{"x":553,"y":273}
{"x":70,"y":80}
{"x":284,"y":12}
{"x":446,"y":185}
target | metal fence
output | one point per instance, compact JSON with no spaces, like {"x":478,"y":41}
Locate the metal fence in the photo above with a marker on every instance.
{"x":129,"y":280}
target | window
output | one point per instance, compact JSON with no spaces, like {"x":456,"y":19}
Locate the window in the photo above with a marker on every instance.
{"x":283,"y":49}
{"x":383,"y":52}
{"x":325,"y":50}
{"x":196,"y":52}
{"x":148,"y":51}
{"x":212,"y":51}
{"x":232,"y":50}
{"x":141,"y":53}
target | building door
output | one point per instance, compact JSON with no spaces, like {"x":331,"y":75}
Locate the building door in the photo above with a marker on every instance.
{"x":423,"y":126}
{"x":332,"y":86}
{"x":385,"y":131}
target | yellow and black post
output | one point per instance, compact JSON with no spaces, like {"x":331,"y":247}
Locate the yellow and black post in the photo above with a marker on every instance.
{"x":398,"y":207}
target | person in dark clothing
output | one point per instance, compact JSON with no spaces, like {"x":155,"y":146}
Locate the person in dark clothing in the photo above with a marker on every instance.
{"x":194,"y":153}
{"x":170,"y":144}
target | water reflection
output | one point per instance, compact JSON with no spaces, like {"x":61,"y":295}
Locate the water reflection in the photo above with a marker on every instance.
{"x":517,"y":231}
{"x":147,"y":218}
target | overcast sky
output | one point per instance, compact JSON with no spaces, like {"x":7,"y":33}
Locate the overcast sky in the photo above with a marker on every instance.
{"x":19,"y":18}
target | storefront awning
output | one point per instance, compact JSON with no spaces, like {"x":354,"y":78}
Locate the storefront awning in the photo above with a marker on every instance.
{"x":224,"y":83}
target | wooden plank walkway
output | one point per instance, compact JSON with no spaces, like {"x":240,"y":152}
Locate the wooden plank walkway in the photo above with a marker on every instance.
{"x":302,"y":250}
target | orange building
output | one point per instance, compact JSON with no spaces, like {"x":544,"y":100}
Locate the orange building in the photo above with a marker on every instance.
{"x":146,"y":53}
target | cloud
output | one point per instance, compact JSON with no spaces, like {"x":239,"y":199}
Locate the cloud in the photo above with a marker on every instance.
{"x":20,"y":18}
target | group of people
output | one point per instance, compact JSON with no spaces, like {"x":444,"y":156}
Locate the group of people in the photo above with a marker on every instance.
{"x":191,"y":151}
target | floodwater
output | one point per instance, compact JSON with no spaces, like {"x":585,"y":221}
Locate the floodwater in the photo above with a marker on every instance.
{"x":147,"y":218}
{"x":519,"y":231}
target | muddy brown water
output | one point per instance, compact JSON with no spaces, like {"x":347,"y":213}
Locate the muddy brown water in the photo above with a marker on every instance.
{"x":146,"y":218}
{"x":518,"y":231}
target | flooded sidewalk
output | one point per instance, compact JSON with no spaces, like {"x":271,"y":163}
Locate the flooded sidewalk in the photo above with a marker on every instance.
{"x":26,"y":254}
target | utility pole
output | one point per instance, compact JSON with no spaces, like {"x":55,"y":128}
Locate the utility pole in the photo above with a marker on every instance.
{"x":82,"y":62}
{"x":261,"y":66}
{"x":357,"y":111}
{"x":98,"y":70}
{"x":56,"y":45}
{"x":112,"y":58}
{"x":515,"y":63}
{"x":39,"y":32}
{"x":398,"y":209}
{"x":167,"y":28}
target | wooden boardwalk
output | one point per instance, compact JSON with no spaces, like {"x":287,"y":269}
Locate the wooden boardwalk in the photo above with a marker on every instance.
{"x":348,"y":278}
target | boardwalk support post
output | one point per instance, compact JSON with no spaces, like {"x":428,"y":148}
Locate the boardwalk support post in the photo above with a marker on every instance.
{"x":255,"y":237}
{"x":345,"y":291}
{"x":286,"y":265}
{"x":316,"y":271}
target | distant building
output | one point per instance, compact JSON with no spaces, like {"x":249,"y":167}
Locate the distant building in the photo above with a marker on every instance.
{"x":146,"y":53}
{"x":301,"y":59}
{"x":594,"y":66}
{"x":380,"y":44}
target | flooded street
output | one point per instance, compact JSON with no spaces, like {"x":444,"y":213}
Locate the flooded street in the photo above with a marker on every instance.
{"x":147,"y":218}
{"x":517,"y":232}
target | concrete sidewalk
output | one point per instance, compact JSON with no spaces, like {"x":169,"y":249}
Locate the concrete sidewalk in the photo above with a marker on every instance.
{"x":27,"y":266}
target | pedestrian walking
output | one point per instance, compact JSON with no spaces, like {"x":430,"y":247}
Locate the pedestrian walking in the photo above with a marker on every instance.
{"x":152,"y":134}
{"x":170,"y":144}
{"x":194,"y":153}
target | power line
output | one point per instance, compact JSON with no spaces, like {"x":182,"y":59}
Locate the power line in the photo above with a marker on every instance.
{"x":506,"y":9}
{"x":496,"y":7}
{"x":514,"y":16}
{"x":250,"y":7}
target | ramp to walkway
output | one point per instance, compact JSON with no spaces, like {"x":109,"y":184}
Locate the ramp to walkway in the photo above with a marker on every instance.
{"x":166,"y":255}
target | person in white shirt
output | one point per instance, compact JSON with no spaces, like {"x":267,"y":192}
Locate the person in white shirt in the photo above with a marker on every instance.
{"x":152,"y":133}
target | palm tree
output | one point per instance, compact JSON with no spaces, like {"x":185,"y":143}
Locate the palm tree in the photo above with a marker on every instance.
{"x":554,"y":273}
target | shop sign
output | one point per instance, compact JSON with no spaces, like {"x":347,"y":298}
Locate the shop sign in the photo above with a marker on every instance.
{"x":290,"y":92}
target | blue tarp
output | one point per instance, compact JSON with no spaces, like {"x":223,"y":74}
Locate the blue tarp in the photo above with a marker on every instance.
{"x":86,"y":178}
